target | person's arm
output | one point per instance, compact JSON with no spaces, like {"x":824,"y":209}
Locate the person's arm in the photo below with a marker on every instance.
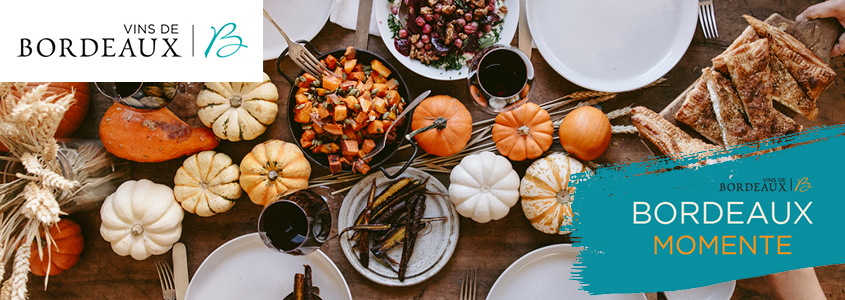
{"x":801,"y":284}
{"x":829,"y":9}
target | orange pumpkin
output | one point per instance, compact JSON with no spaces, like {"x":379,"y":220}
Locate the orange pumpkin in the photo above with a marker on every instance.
{"x":64,"y":253}
{"x":151,"y":136}
{"x":585,"y":133}
{"x":75,"y":113}
{"x":442,"y":125}
{"x":523,"y":133}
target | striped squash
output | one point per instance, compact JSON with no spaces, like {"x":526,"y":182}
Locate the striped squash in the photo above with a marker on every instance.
{"x":238,"y":110}
{"x":207,"y":183}
{"x":546,"y":192}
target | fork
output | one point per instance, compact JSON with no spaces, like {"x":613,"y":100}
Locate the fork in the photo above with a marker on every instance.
{"x":168,"y":289}
{"x":707,"y":19}
{"x":468,"y":283}
{"x":301,"y":56}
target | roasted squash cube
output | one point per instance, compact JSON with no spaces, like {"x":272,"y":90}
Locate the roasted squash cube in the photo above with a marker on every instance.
{"x":322,"y":91}
{"x":331,"y":83}
{"x":392,"y":84}
{"x":350,"y":102}
{"x":301,"y":98}
{"x":334,"y":164}
{"x":350,"y":53}
{"x":322,"y":111}
{"x":307,"y":139}
{"x":302,"y":113}
{"x":361,"y":167}
{"x":346,"y":85}
{"x":331,"y":62}
{"x":349,"y":65}
{"x":393,"y":97}
{"x":368,"y":85}
{"x":333,"y":129}
{"x":358,"y":76}
{"x":365,"y":104}
{"x":380,"y":105}
{"x":308,"y":80}
{"x":339,"y":113}
{"x":360,"y":121}
{"x":380,"y":68}
{"x":368,"y":146}
{"x":349,"y":147}
{"x":376,"y":127}
{"x":382,"y":89}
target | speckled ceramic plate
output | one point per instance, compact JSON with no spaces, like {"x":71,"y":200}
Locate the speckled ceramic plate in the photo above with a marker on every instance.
{"x":432,"y":251}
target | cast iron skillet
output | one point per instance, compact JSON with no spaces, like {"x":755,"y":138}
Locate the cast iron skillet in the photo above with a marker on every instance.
{"x":401,"y":130}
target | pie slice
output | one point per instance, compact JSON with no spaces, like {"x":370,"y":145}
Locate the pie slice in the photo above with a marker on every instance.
{"x":811,"y":73}
{"x":748,"y":66}
{"x":728,"y":109}
{"x":748,"y":36}
{"x":787,"y":92}
{"x":697,"y":112}
{"x":669,"y":138}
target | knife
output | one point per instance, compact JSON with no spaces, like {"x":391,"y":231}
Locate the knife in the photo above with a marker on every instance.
{"x":180,"y":270}
{"x":524,"y":40}
{"x":362,"y":29}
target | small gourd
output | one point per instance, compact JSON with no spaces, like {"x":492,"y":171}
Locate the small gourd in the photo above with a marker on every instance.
{"x":271,"y":168}
{"x":484,"y":187}
{"x":64,"y":251}
{"x":207,"y":183}
{"x":238,"y":110}
{"x":141,"y":218}
{"x":547,"y":192}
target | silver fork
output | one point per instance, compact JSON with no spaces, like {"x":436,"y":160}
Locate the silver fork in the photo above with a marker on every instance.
{"x":707,"y":19}
{"x":301,"y":56}
{"x":468,"y":283}
{"x":165,"y":275}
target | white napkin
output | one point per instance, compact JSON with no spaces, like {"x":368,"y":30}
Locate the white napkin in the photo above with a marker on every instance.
{"x":345,"y":14}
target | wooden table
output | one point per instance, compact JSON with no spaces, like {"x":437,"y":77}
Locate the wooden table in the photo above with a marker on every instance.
{"x":491,"y":247}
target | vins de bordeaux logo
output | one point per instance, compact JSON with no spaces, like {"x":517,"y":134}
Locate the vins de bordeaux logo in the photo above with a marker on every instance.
{"x":224,"y":42}
{"x":768,"y":185}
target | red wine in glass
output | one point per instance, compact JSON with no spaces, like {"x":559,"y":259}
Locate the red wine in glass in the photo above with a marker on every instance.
{"x":297,"y":223}
{"x":500,"y":79}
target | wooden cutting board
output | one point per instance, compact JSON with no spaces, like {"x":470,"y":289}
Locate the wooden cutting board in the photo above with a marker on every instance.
{"x":818,"y":35}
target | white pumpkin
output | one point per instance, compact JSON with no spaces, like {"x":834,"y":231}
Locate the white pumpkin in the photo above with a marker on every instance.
{"x":238,"y":110}
{"x":141,"y":219}
{"x":484,"y":187}
{"x":547,"y":192}
{"x":207,"y":183}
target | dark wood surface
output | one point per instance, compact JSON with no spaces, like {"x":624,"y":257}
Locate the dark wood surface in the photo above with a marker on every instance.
{"x":491,"y":247}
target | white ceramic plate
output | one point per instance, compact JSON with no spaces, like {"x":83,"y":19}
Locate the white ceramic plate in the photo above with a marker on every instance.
{"x":719,"y":291}
{"x":382,"y":10}
{"x":301,"y":20}
{"x":431,"y":251}
{"x":612,"y":45}
{"x":544,"y":274}
{"x":245,"y":268}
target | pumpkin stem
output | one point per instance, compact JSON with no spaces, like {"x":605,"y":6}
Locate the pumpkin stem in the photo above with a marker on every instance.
{"x":523,"y":130}
{"x":564,"y":196}
{"x":273,"y":175}
{"x":235,"y":101}
{"x":439,"y":123}
{"x":137,"y":229}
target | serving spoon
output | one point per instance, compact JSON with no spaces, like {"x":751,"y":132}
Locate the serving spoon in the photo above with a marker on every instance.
{"x":408,"y":108}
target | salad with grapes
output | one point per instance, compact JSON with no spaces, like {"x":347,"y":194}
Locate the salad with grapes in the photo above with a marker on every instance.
{"x":445,"y":33}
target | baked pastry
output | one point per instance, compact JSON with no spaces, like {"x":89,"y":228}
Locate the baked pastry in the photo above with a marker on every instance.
{"x":728,"y":109}
{"x":811,"y":73}
{"x":748,"y":66}
{"x":748,"y":36}
{"x":787,"y":92}
{"x":697,"y":112}
{"x":669,"y":138}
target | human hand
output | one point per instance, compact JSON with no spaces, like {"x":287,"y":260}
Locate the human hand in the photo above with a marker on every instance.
{"x":829,"y":9}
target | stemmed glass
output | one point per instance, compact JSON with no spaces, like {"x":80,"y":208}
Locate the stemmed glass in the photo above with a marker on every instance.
{"x":500,"y":79}
{"x":143,"y":95}
{"x":297,"y":223}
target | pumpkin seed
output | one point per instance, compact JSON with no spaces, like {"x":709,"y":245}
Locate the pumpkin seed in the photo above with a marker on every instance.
{"x":368,"y":68}
{"x":300,"y":106}
{"x":306,"y":127}
{"x":315,"y":83}
{"x":317,"y":142}
{"x":357,"y":106}
{"x":375,"y":91}
{"x":343,"y":75}
{"x":301,"y":78}
{"x":344,"y":137}
{"x":354,"y":92}
{"x":347,"y":121}
{"x":367,"y":73}
{"x":296,"y":81}
{"x":384,"y":116}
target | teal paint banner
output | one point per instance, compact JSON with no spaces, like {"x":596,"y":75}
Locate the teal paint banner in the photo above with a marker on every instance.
{"x":795,"y":194}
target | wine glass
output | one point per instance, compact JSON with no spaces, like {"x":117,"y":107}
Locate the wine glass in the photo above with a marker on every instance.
{"x":297,"y":223}
{"x":500,"y":79}
{"x":142,"y":95}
